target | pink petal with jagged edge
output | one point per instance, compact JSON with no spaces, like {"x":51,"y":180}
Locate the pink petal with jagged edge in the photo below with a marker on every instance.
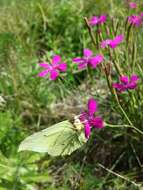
{"x":132,"y":85}
{"x":92,"y":106}
{"x":77,"y":59}
{"x":124,"y":79}
{"x":45,"y":65}
{"x":116,"y":41}
{"x":56,"y":59}
{"x":105,"y":43}
{"x":82,"y":65}
{"x":93,"y":20}
{"x":87,"y":52}
{"x":54,"y":74}
{"x":87,"y":130}
{"x":96,"y":60}
{"x":102,"y":19}
{"x":97,"y":122}
{"x":134,"y":78}
{"x":132,"y":5}
{"x":43,"y":73}
{"x":118,"y":86}
{"x":62,"y":67}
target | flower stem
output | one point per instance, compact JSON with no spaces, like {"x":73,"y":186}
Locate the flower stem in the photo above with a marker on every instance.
{"x":90,"y":32}
{"x":128,"y":126}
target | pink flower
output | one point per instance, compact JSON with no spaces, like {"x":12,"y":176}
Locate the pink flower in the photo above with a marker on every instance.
{"x":126,"y":83}
{"x":132,"y":5}
{"x":135,"y":20}
{"x":54,"y":68}
{"x":94,"y":20}
{"x":89,"y":119}
{"x":112,"y":43}
{"x":102,"y":19}
{"x":88,"y":59}
{"x":141,"y":14}
{"x":105,"y":43}
{"x":116,"y":41}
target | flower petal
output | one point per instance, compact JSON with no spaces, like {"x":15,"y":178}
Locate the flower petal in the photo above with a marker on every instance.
{"x":77,"y":59}
{"x":82,"y":65}
{"x":134,"y":78}
{"x":87,"y":52}
{"x":43,"y":73}
{"x":124,"y":79}
{"x":45,"y":65}
{"x":93,"y":20}
{"x":118,"y":86}
{"x":56,"y":59}
{"x":105,"y":43}
{"x":54,"y":74}
{"x":62,"y":67}
{"x":135,"y":20}
{"x":97,"y":122}
{"x":92,"y":106}
{"x":132,"y":85}
{"x":96,"y":60}
{"x":116,"y":41}
{"x":102,"y":19}
{"x":141,"y":14}
{"x":132,"y":5}
{"x":87,"y":130}
{"x":83,"y":116}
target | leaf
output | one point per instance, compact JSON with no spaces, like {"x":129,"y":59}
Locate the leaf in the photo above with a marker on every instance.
{"x":59,"y":139}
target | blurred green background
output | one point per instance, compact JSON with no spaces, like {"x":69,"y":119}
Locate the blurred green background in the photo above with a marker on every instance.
{"x":31,"y":31}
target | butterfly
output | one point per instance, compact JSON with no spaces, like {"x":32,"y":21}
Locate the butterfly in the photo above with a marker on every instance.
{"x":58,"y":140}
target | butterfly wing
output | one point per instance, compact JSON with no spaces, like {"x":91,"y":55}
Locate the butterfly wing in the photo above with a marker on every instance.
{"x":60,"y":139}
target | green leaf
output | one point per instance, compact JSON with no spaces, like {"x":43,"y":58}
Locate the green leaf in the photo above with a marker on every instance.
{"x":60,"y":139}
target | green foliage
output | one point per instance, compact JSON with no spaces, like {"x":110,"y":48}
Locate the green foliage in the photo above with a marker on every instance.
{"x":10,"y":133}
{"x":31,"y":31}
{"x":21,"y":173}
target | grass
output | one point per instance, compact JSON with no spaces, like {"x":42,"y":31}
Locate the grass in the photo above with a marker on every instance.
{"x":31,"y":31}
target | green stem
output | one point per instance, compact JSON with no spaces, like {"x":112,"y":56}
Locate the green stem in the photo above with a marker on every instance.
{"x":134,"y":54}
{"x":122,"y":110}
{"x":90,"y":32}
{"x":127,"y":126}
{"x":115,"y":62}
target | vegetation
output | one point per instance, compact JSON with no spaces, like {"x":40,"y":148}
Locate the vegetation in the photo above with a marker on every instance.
{"x":32,"y":31}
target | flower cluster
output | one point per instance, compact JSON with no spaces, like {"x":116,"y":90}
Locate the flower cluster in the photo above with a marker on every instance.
{"x":89,"y":119}
{"x":112,"y":43}
{"x":135,"y":20}
{"x":54,"y":68}
{"x":126,"y":83}
{"x":94,"y":20}
{"x":133,"y":5}
{"x":88,"y":59}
